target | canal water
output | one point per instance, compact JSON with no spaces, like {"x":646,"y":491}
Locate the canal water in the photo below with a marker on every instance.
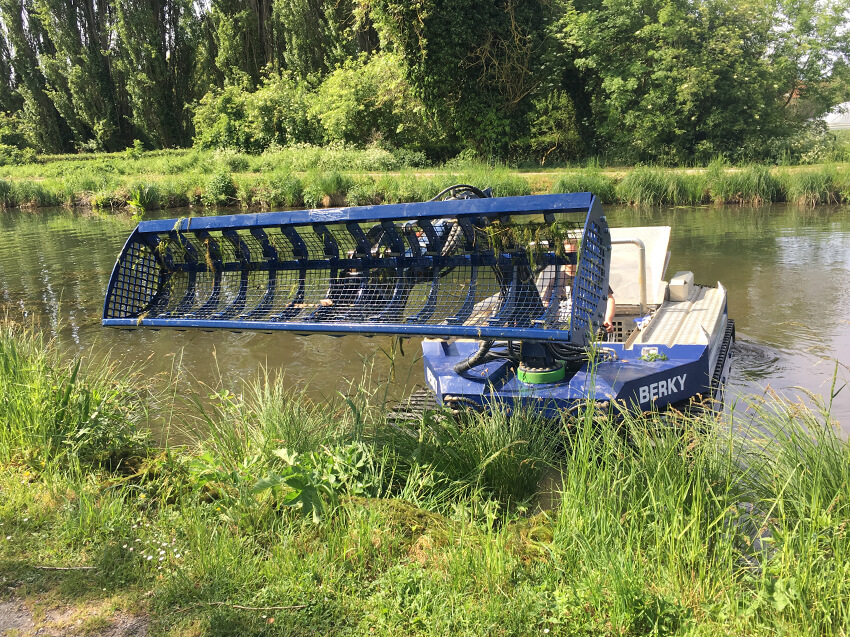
{"x":787,"y":271}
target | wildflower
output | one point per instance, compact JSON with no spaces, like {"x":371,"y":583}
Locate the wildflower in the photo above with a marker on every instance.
{"x":8,"y":537}
{"x":162,"y":558}
{"x":124,"y":547}
{"x":131,"y":549}
{"x":177,"y":555}
{"x":150,"y":557}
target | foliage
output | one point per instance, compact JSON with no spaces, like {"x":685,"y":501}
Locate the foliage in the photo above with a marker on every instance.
{"x":15,"y":149}
{"x":657,"y":81}
{"x":366,"y":100}
{"x":316,"y":481}
{"x":276,"y":114}
{"x":55,"y":412}
{"x":474,"y":63}
{"x":677,"y":80}
{"x":221,"y":189}
{"x":553,"y":131}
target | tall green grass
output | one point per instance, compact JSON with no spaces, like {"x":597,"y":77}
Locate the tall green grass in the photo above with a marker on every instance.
{"x":587,"y":181}
{"x":753,"y":185}
{"x":339,"y":175}
{"x":613,"y":524}
{"x":811,"y":187}
{"x":65,"y":412}
{"x":646,"y":186}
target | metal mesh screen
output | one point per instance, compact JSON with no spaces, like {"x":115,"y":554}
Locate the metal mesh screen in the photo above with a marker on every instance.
{"x":409,"y":273}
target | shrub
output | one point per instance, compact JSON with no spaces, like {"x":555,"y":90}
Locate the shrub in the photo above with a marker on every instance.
{"x":220,"y":189}
{"x":368,"y":99}
{"x":554,"y":135}
{"x":278,"y":112}
{"x":12,"y":156}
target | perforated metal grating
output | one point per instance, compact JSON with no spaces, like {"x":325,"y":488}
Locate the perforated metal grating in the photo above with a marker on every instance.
{"x":405,"y":274}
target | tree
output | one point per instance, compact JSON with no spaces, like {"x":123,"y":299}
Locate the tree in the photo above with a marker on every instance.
{"x":674,"y":80}
{"x":156,"y":55}
{"x":9,"y":98}
{"x":475,"y":64}
{"x":26,"y":40}
{"x":368,"y":100}
{"x":79,"y":71}
{"x":810,"y":54}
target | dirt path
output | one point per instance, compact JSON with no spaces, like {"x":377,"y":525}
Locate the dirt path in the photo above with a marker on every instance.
{"x":23,"y":618}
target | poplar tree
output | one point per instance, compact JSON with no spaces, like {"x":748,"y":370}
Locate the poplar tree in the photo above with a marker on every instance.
{"x":79,"y":71}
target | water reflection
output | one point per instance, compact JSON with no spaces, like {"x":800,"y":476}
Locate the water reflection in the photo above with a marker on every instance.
{"x":786,"y":271}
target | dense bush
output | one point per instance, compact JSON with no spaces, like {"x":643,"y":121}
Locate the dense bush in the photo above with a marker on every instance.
{"x":364,"y":101}
{"x":367,"y":100}
{"x":278,"y":112}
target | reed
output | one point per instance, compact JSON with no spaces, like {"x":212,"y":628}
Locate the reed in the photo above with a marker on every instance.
{"x":753,"y":185}
{"x":646,"y":186}
{"x":279,"y":190}
{"x":6,"y":200}
{"x":587,"y":181}
{"x":37,"y":194}
{"x":810,"y":187}
{"x":502,"y":181}
{"x":325,"y":189}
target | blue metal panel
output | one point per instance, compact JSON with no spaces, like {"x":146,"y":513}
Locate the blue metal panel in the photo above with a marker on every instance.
{"x":632,"y":382}
{"x":431,"y":269}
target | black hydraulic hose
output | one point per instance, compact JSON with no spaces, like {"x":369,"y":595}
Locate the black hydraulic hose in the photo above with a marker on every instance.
{"x":568,"y":352}
{"x":465,"y":187}
{"x":476,"y":359}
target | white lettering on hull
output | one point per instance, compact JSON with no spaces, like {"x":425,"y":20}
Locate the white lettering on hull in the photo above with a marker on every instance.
{"x":432,"y":381}
{"x":662,"y":388}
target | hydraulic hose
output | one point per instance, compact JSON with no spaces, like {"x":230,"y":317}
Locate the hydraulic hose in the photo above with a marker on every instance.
{"x":476,"y":359}
{"x":461,"y":188}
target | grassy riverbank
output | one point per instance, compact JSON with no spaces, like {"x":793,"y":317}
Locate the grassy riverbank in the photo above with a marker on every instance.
{"x":316,"y":177}
{"x":288,"y":517}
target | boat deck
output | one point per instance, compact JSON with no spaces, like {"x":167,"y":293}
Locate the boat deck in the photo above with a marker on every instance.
{"x":691,"y":322}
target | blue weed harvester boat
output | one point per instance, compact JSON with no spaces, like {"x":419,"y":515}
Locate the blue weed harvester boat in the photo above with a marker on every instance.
{"x":509,"y":294}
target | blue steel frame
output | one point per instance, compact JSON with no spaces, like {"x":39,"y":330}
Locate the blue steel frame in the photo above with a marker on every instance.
{"x":634,"y":383}
{"x":143,"y":270}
